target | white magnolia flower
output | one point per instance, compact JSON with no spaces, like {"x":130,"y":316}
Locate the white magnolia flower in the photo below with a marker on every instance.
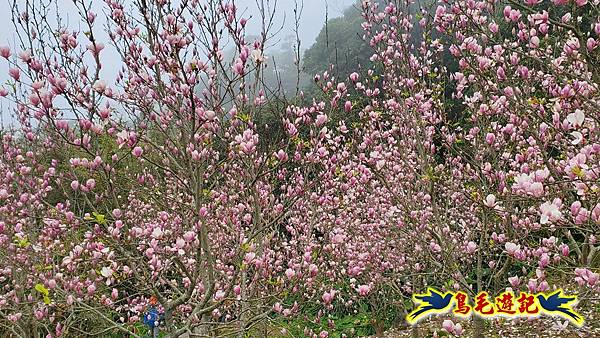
{"x":99,"y":86}
{"x":577,"y":137}
{"x":576,"y":119}
{"x":490,"y":201}
{"x":258,"y":56}
{"x":550,"y":213}
{"x":106,"y":272}
{"x":157,"y":233}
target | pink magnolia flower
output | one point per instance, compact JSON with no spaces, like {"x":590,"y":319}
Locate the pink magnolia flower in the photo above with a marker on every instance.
{"x":591,"y":44}
{"x":90,"y":183}
{"x":99,"y":86}
{"x":14,"y":73}
{"x":219,"y":295}
{"x":238,"y":67}
{"x":448,"y":325}
{"x":15,"y":317}
{"x":321,"y":119}
{"x":455,"y":329}
{"x":550,"y":212}
{"x":458,"y":330}
{"x":91,"y":289}
{"x":514,"y":15}
{"x":137,"y":151}
{"x":281,"y":155}
{"x":95,"y":48}
{"x":91,"y":17}
{"x":544,"y":260}
{"x":490,"y":201}
{"x":596,"y":214}
{"x":39,"y":314}
{"x":5,"y":51}
{"x":313,"y":270}
{"x":536,"y":189}
{"x":210,"y":115}
{"x":572,"y":45}
{"x":189,"y":236}
{"x":564,"y":249}
{"x":249,"y":257}
{"x":493,"y":27}
{"x":25,"y":56}
{"x":471,"y":247}
{"x":348,"y":106}
{"x":364,"y":290}
{"x":514,"y":281}
{"x":328,"y":297}
{"x":180,"y":243}
{"x":584,"y":276}
{"x":534,"y":42}
{"x":511,"y":248}
{"x":248,"y":141}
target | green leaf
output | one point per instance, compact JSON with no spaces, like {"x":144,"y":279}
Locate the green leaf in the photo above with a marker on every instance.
{"x":22,"y":242}
{"x":100,"y":219}
{"x":42,"y":289}
{"x":244,"y":117}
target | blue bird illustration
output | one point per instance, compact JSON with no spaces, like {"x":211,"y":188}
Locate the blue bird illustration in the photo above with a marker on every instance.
{"x":431,"y":302}
{"x":557,"y":303}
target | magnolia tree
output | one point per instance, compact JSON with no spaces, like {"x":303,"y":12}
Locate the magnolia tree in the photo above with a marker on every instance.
{"x":474,"y":161}
{"x":526,"y":149}
{"x":507,"y":156}
{"x":156,"y":185}
{"x":467,"y":158}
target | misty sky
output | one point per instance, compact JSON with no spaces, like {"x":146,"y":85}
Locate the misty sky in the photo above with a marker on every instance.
{"x":311,"y":22}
